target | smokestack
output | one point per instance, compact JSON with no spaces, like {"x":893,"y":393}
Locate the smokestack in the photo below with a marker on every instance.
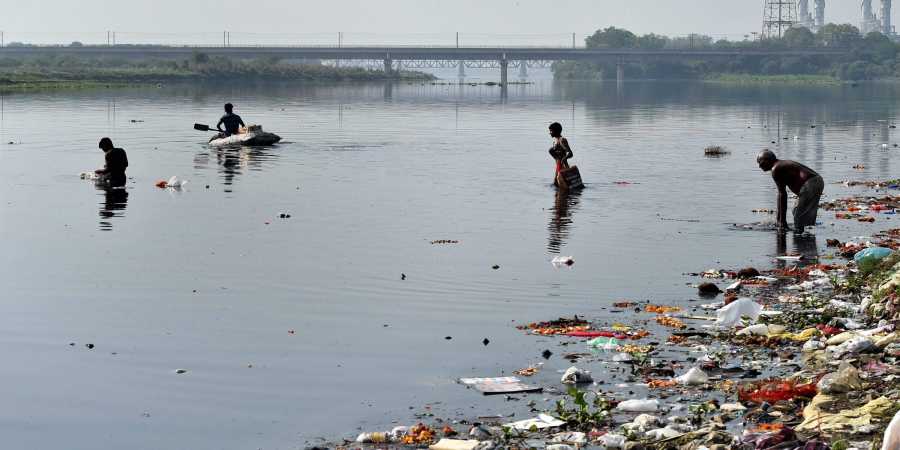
{"x":868,"y":23}
{"x":820,"y":13}
{"x":804,"y":12}
{"x":886,"y":27}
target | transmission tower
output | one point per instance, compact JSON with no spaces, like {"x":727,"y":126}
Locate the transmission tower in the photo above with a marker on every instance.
{"x":778,"y":17}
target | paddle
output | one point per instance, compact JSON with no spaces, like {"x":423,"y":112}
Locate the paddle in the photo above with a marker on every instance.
{"x":201,"y":127}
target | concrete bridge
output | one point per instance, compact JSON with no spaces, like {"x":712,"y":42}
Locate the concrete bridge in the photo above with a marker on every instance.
{"x":424,"y":57}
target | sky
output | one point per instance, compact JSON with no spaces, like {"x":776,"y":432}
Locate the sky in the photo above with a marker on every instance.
{"x":428,"y":21}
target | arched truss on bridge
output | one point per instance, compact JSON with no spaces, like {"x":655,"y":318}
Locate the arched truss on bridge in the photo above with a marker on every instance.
{"x":442,"y":64}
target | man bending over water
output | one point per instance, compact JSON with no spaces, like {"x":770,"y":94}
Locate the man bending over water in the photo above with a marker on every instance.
{"x":113,"y":172}
{"x":232,"y":121}
{"x":802,"y":180}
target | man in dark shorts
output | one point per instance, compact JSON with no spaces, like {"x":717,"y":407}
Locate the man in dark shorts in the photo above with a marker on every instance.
{"x":113,"y":172}
{"x":801,"y":180}
{"x":232,"y":121}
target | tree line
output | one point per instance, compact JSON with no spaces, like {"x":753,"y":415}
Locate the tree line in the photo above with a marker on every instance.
{"x":873,"y":56}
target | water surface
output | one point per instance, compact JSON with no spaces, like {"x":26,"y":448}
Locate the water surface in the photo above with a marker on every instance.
{"x":211,"y":280}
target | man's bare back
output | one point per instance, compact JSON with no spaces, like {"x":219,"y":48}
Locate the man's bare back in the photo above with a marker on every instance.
{"x":802,"y":181}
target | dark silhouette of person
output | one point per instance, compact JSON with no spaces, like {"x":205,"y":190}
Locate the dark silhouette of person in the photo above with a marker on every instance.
{"x":561,"y":152}
{"x":232,"y":121}
{"x":801,"y":180}
{"x":113,"y":172}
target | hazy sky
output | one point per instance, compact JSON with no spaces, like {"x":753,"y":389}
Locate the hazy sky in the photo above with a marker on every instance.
{"x":731,"y":18}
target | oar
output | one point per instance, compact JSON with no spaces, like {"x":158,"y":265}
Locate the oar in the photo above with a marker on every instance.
{"x":201,"y":127}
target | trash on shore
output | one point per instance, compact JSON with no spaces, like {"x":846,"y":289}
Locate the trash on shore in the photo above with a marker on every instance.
{"x":574,"y":375}
{"x":499,"y":385}
{"x":805,"y":358}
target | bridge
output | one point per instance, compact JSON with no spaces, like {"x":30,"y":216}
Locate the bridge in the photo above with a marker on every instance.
{"x":391,"y":57}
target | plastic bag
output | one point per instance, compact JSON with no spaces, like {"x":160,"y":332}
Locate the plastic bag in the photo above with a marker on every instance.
{"x":846,"y":379}
{"x":378,"y":437}
{"x":612,"y":441}
{"x":574,"y":375}
{"x":604,"y":343}
{"x":730,"y":315}
{"x":569,"y":437}
{"x":175,"y":183}
{"x":561,"y":261}
{"x":853,"y":346}
{"x":636,"y":405}
{"x":872,"y":253}
{"x":560,"y":447}
{"x":644,"y":422}
{"x":663,"y":433}
{"x":693,"y":377}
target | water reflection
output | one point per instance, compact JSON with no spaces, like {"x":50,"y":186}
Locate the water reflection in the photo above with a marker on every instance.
{"x":234,"y":161}
{"x":113,"y":205}
{"x":803,"y":244}
{"x":564,"y":207}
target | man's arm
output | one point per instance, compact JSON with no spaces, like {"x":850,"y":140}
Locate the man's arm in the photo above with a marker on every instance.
{"x":105,"y":165}
{"x":219,"y":126}
{"x":565,"y":143}
{"x":241,"y":121}
{"x":781,"y":214}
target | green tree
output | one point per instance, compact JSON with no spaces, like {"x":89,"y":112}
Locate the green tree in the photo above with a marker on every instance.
{"x":652,"y":41}
{"x":799,"y":37}
{"x":612,"y":37}
{"x":833,"y":35}
{"x":878,"y":47}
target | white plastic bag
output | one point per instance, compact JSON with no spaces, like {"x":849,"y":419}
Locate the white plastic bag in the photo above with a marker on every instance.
{"x":561,"y":261}
{"x":612,"y":441}
{"x":663,"y":433}
{"x":574,"y":375}
{"x":693,"y":377}
{"x":175,"y":183}
{"x":636,"y":405}
{"x":569,"y":437}
{"x":730,"y":315}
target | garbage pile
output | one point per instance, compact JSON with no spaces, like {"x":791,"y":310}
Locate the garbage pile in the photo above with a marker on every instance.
{"x":798,"y":356}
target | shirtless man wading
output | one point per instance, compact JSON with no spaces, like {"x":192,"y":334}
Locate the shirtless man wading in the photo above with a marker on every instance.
{"x":801,"y":180}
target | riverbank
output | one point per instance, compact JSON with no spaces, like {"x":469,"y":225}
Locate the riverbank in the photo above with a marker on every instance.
{"x":36,"y":77}
{"x":802,"y":354}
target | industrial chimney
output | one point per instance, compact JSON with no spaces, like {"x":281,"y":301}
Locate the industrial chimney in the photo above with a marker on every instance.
{"x":886,"y":28}
{"x":820,"y":13}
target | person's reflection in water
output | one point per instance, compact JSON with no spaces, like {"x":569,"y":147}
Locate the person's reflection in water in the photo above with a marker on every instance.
{"x":233,"y":161}
{"x":115,"y":199}
{"x":804,"y":244}
{"x":563,"y":209}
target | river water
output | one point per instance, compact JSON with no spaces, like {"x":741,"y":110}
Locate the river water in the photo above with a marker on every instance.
{"x":298,"y":328}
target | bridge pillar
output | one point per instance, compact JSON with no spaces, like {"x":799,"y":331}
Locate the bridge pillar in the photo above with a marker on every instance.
{"x":462,"y":69}
{"x":388,"y":66}
{"x":504,"y":71}
{"x":620,"y":72}
{"x":523,"y":70}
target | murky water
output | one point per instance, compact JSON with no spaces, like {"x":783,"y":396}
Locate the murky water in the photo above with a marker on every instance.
{"x":211,"y":280}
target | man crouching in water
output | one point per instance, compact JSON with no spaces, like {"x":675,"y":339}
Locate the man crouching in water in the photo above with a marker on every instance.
{"x":113,"y":172}
{"x":802,"y":180}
